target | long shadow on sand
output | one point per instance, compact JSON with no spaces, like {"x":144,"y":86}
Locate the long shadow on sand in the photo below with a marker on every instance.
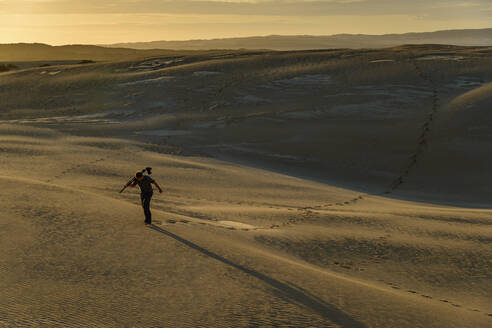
{"x":292,"y":294}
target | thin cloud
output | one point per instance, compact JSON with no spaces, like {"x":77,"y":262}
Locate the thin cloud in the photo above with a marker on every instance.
{"x":96,"y":21}
{"x":250,"y":7}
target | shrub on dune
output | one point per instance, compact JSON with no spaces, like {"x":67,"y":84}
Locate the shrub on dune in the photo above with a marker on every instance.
{"x":7,"y":67}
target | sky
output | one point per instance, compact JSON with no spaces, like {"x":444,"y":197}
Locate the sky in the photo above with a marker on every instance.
{"x":106,"y":21}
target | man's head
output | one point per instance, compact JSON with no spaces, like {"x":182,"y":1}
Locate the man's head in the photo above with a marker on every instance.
{"x":139,"y":176}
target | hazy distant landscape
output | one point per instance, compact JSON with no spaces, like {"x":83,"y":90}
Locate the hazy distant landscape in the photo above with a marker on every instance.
{"x":343,"y":186}
{"x":480,"y":37}
{"x":42,"y":52}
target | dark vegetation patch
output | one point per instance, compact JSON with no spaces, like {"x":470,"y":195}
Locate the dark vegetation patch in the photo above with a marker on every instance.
{"x":7,"y":67}
{"x":86,"y":62}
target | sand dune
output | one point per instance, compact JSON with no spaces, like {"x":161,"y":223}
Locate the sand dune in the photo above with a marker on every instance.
{"x":302,"y":189}
{"x":75,"y":251}
{"x":479,"y":97}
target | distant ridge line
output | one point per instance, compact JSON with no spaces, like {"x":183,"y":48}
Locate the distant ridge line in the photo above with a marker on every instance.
{"x":463,"y":37}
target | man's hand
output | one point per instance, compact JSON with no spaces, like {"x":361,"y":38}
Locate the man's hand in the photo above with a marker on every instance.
{"x":158,"y":187}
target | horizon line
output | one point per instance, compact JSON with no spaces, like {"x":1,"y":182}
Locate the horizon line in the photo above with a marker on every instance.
{"x":246,"y":37}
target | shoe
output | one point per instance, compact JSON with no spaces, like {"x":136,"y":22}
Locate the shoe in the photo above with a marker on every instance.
{"x":148,"y":223}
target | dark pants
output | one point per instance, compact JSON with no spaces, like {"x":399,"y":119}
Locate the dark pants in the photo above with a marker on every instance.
{"x":145,"y":198}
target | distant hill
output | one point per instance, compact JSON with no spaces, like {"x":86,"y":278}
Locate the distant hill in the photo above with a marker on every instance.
{"x":42,"y":52}
{"x":38,"y":52}
{"x":480,"y":37}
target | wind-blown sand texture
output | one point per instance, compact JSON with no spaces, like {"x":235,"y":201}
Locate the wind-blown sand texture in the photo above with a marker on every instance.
{"x":304,"y":189}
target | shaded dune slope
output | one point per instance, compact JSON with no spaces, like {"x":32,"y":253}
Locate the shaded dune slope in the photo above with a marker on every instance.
{"x":363,"y":119}
{"x":459,"y":148}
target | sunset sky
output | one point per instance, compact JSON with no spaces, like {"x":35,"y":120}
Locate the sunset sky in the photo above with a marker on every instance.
{"x":98,"y":21}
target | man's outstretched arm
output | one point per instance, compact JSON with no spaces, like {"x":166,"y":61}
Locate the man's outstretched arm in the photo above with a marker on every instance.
{"x":157,"y":185}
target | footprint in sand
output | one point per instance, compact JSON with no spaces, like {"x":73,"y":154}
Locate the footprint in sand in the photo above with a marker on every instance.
{"x":393,"y":285}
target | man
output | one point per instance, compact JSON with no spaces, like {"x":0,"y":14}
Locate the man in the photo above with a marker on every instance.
{"x":145,"y":183}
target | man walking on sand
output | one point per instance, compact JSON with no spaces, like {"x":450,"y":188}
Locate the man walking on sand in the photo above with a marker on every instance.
{"x":145,"y":183}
